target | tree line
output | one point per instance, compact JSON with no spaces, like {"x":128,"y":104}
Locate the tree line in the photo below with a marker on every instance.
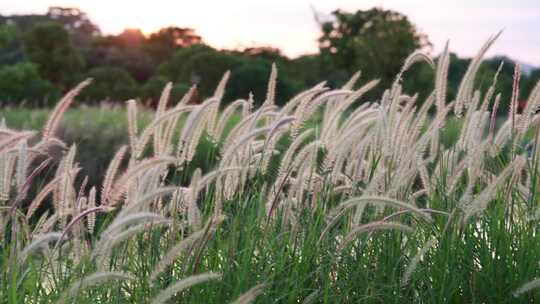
{"x":41,"y":56}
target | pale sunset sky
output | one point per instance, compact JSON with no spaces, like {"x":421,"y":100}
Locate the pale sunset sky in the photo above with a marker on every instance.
{"x":290,"y":25}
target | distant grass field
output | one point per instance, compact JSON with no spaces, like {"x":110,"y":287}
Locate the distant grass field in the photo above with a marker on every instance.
{"x":98,"y":132}
{"x":80,"y":125}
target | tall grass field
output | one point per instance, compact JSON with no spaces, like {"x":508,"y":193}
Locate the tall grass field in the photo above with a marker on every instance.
{"x":331,"y":198}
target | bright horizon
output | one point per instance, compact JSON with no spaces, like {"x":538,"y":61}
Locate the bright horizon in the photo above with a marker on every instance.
{"x":290,"y":25}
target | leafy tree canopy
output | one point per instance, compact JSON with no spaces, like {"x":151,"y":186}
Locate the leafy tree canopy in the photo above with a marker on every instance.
{"x":165,"y":42}
{"x":152,"y":89}
{"x":110,"y":83}
{"x":11,"y":46}
{"x":376,"y":41}
{"x":48,"y":45}
{"x":21,"y":82}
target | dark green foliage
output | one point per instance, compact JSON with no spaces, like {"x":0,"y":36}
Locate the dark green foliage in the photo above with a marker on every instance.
{"x":199,"y":64}
{"x":110,"y":83}
{"x":76,"y":22}
{"x":484,"y":79}
{"x":11,"y":45}
{"x":48,"y":45}
{"x":376,"y":41}
{"x":505,"y":79}
{"x":252,"y":77}
{"x":152,"y":89}
{"x":125,"y":51}
{"x":205,"y":66}
{"x":21,"y":82}
{"x":419,"y":79}
{"x":8,"y":34}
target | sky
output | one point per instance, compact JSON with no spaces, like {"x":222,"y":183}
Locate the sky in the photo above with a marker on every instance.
{"x":290,"y":25}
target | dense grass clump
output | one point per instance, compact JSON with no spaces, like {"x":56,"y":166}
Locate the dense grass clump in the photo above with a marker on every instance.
{"x":329,"y":199}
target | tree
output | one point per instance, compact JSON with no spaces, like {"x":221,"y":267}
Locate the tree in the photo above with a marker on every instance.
{"x":24,"y":22}
{"x":419,"y":80}
{"x":376,"y":41}
{"x":163,"y":44}
{"x":202,"y":65}
{"x":269,"y":53}
{"x":199,"y":64}
{"x":309,"y":70}
{"x":21,"y":82}
{"x":131,"y":38}
{"x":110,"y":83}
{"x":505,"y":80}
{"x":74,"y":20}
{"x":48,"y":46}
{"x":11,"y":44}
{"x":8,"y":33}
{"x":81,"y":29}
{"x":252,"y":77}
{"x":152,"y":89}
{"x":125,"y":51}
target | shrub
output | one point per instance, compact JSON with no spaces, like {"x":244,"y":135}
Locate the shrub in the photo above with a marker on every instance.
{"x":151,"y":90}
{"x":21,"y":81}
{"x":110,"y":83}
{"x":48,"y":45}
